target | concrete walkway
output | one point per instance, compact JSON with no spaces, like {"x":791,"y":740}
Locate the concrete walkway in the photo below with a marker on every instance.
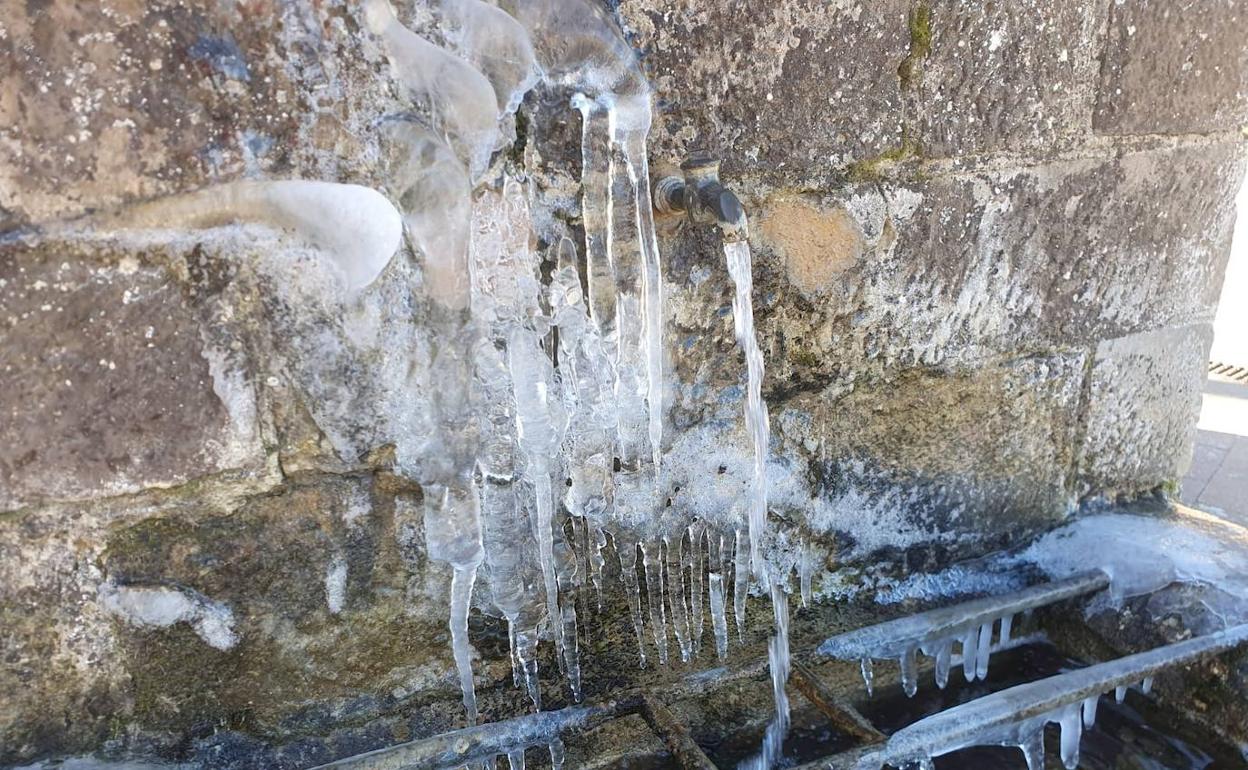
{"x":1218,"y":479}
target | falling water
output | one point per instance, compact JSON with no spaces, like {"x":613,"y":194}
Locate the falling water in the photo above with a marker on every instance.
{"x":737,"y":254}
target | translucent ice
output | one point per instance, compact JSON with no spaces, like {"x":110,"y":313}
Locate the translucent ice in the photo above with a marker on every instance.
{"x":496,"y":45}
{"x":460,"y":100}
{"x":356,"y":228}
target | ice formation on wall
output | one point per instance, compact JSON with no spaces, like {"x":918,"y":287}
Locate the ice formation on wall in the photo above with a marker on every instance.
{"x":161,"y":607}
{"x":548,"y":390}
{"x":355,"y":228}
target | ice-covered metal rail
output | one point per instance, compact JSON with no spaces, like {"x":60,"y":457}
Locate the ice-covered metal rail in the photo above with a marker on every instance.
{"x":474,"y":744}
{"x":934,"y":632}
{"x":1017,"y":716}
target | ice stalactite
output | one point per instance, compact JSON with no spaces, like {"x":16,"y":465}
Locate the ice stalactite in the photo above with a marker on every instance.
{"x":697,"y":566}
{"x":539,"y":424}
{"x":741,"y":581}
{"x":652,"y":561}
{"x":676,"y":596}
{"x":715,"y":581}
{"x":626,"y":549}
{"x":453,"y":535}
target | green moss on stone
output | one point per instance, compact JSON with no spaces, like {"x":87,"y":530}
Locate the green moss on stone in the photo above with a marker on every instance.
{"x":805,"y":358}
{"x":872,"y":169}
{"x":920,"y":24}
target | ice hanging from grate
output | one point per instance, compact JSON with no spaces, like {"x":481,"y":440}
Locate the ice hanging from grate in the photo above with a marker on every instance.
{"x":1017,"y":716}
{"x":970,"y":624}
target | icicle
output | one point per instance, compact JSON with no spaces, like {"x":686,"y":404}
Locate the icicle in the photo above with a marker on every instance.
{"x":565,"y":561}
{"x":1120,"y":693}
{"x":453,"y":534}
{"x":1032,"y":744}
{"x":969,"y":654}
{"x":1007,"y":623}
{"x":627,"y":552}
{"x":804,"y":571}
{"x":557,"y":754}
{"x":1072,"y":731}
{"x":597,"y":213}
{"x":515,"y":759}
{"x":1147,"y":685}
{"x":715,"y":577}
{"x":461,"y":599}
{"x":538,"y":436}
{"x":526,"y":655}
{"x":868,"y":676}
{"x":634,"y":143}
{"x":676,"y":596}
{"x":984,"y":650}
{"x":944,"y":651}
{"x":597,"y":563}
{"x":1089,"y":710}
{"x":652,"y":560}
{"x":909,"y":673}
{"x":740,"y":585}
{"x":697,"y":555}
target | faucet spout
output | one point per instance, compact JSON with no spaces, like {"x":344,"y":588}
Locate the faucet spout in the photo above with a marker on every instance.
{"x":700,"y":194}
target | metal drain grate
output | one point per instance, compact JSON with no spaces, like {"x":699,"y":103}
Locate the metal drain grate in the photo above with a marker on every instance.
{"x":1228,"y":372}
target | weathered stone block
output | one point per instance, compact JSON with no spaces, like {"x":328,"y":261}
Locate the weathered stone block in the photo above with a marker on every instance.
{"x":790,"y":90}
{"x":103,"y":103}
{"x":966,"y":267}
{"x":108,"y":382}
{"x":1143,"y":405}
{"x":989,"y":76}
{"x":968,"y":460}
{"x":1173,"y":68}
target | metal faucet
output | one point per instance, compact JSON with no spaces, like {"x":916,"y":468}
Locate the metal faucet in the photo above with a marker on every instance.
{"x":700,"y":194}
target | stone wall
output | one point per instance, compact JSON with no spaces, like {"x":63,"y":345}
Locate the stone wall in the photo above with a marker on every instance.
{"x":988,"y":246}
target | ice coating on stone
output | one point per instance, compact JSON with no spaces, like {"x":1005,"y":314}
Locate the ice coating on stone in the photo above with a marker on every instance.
{"x":435,"y":197}
{"x":579,"y":47}
{"x":1144,"y":554}
{"x":355,"y":228}
{"x":496,"y":45}
{"x":1016,"y":716}
{"x":161,"y":607}
{"x":336,"y":584}
{"x":459,"y":99}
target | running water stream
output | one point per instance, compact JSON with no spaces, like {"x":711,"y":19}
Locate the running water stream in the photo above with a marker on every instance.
{"x":740,"y":267}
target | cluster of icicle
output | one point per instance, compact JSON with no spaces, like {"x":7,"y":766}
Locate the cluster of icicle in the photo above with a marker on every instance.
{"x":1017,"y":716}
{"x":548,"y":397}
{"x":976,"y":647}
